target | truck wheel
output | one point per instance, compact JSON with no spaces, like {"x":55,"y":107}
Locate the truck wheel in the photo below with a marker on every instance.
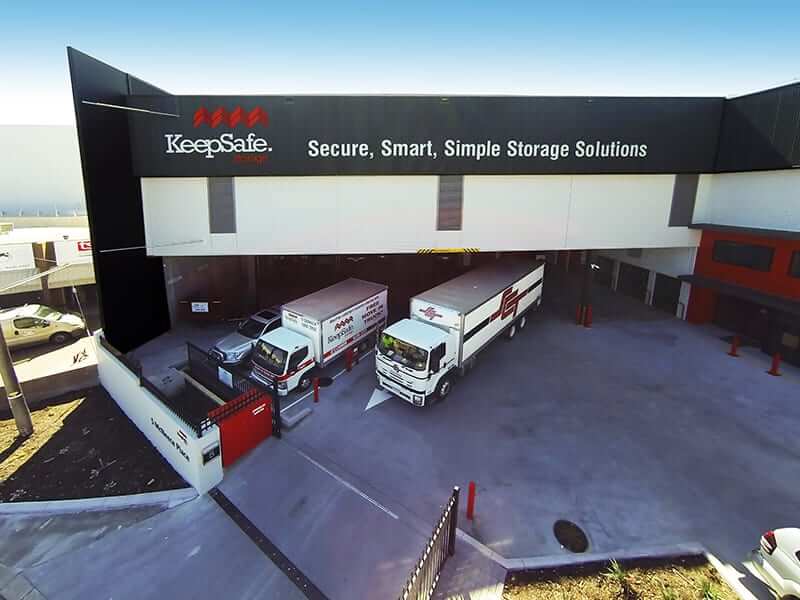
{"x":522,"y":322}
{"x":60,"y":337}
{"x":304,"y":383}
{"x":512,"y":331}
{"x":444,"y":388}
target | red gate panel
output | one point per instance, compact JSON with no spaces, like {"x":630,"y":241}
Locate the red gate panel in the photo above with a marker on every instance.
{"x":244,"y":422}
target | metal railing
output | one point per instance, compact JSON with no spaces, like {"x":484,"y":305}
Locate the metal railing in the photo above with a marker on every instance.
{"x":198,"y":425}
{"x":206,"y":370}
{"x":441,"y":545}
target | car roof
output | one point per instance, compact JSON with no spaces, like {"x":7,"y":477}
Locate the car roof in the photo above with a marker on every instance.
{"x":19,"y":311}
{"x":788,"y":538}
{"x":266,"y":315}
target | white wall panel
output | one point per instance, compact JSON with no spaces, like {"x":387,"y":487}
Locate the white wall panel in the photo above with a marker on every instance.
{"x":764,"y":199}
{"x":320,"y":215}
{"x":623,"y":211}
{"x":516,"y":212}
{"x":669,"y":261}
{"x":176,"y":216}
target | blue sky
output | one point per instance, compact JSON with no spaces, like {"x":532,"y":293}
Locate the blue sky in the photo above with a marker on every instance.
{"x":558,"y":47}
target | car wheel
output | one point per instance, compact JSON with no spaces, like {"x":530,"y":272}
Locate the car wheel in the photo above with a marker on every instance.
{"x":523,"y":321}
{"x":305,"y":383}
{"x":512,"y":331}
{"x":60,"y":338}
{"x":444,"y":388}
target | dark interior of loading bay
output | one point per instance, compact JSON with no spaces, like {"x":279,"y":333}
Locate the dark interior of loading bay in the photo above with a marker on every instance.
{"x":236,"y":286}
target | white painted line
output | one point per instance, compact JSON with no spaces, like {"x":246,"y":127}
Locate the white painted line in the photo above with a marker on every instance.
{"x":311,"y":393}
{"x":348,"y":485}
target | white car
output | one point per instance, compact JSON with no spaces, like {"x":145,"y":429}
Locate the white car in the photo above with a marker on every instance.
{"x":777,"y":561}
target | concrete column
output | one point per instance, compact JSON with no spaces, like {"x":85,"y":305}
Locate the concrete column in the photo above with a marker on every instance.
{"x":172,"y":277}
{"x":615,"y":275}
{"x":683,"y":300}
{"x":651,"y":288}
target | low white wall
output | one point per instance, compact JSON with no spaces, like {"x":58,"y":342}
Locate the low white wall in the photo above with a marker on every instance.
{"x":160,"y":426}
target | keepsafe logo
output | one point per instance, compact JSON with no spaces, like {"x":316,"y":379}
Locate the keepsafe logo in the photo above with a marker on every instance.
{"x":249,"y":148}
{"x":234,"y":118}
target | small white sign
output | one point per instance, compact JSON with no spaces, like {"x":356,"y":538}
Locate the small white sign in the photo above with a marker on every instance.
{"x":199,"y":307}
{"x":225,"y":376}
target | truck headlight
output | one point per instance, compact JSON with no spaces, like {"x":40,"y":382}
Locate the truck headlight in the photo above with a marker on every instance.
{"x":282,"y":385}
{"x":419,"y":400}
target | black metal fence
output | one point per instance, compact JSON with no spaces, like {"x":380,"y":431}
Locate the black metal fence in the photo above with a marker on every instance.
{"x":442,"y":544}
{"x":205,"y":369}
{"x":198,"y":425}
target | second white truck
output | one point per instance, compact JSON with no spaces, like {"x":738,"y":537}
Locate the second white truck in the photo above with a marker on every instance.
{"x":418,"y":358}
{"x":316,"y":329}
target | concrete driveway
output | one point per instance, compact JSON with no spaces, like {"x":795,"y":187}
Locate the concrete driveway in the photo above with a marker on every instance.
{"x":641,"y":430}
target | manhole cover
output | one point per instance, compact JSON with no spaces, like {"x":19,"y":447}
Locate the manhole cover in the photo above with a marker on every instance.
{"x":570,"y":536}
{"x":325,"y":381}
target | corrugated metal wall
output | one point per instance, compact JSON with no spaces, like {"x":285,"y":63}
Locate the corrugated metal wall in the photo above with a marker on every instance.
{"x":761,"y":131}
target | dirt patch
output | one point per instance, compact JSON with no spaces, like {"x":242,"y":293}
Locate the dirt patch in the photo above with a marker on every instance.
{"x":689,"y":578}
{"x":83,"y":446}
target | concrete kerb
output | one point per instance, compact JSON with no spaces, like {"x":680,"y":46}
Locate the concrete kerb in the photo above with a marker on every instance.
{"x":688,"y":549}
{"x":166,"y":498}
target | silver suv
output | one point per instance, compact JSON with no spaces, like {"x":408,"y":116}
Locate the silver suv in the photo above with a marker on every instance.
{"x":236,"y":347}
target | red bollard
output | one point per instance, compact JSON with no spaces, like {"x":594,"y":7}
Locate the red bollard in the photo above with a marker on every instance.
{"x":587,"y":317}
{"x":316,"y":389}
{"x":348,"y":359}
{"x":734,"y":351}
{"x":775,"y":370}
{"x":579,"y":314}
{"x":471,"y":501}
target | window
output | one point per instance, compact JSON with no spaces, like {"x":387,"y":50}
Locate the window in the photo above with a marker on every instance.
{"x":221,"y":205}
{"x":274,"y":325}
{"x":743,"y":255}
{"x":297,"y":358}
{"x":794,"y":266}
{"x":450,"y":203}
{"x":251,"y":328}
{"x":25,"y":323}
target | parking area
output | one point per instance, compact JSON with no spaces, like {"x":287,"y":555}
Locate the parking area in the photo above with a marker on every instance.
{"x":642,"y":430}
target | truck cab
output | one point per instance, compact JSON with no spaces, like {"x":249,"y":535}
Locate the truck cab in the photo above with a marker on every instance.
{"x":283,"y":358}
{"x":415,"y":360}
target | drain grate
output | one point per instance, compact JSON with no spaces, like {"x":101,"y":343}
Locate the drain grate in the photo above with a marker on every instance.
{"x":570,"y":536}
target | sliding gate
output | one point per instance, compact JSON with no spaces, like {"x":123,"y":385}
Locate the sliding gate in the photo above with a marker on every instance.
{"x":244,"y":423}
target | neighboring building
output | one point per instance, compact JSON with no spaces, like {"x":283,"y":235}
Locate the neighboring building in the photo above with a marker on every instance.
{"x":27,"y":253}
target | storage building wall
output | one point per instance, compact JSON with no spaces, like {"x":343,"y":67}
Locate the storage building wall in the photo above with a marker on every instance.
{"x":398,"y":214}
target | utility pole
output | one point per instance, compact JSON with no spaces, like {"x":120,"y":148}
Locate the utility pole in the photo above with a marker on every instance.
{"x":16,"y":399}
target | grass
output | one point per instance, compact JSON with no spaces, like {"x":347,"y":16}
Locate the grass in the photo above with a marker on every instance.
{"x":690,"y":579}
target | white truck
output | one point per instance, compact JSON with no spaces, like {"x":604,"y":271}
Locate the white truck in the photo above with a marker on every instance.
{"x":316,"y":329}
{"x":418,"y":358}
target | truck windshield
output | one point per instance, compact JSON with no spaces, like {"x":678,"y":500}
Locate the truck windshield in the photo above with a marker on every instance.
{"x":271,"y":358}
{"x":402,"y":352}
{"x":251,"y":328}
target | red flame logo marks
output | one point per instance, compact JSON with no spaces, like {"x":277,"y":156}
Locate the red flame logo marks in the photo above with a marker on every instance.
{"x":232,"y":119}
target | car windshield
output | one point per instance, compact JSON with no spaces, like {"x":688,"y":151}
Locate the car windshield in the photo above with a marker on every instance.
{"x":402,"y":352}
{"x":251,"y":328}
{"x":46,"y":312}
{"x":271,"y":358}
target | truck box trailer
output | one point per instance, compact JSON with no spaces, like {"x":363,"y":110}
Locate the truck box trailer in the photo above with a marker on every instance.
{"x":316,"y":329}
{"x":418,"y":358}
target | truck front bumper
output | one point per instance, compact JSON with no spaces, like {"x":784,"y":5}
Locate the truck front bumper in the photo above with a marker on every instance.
{"x":399,"y":390}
